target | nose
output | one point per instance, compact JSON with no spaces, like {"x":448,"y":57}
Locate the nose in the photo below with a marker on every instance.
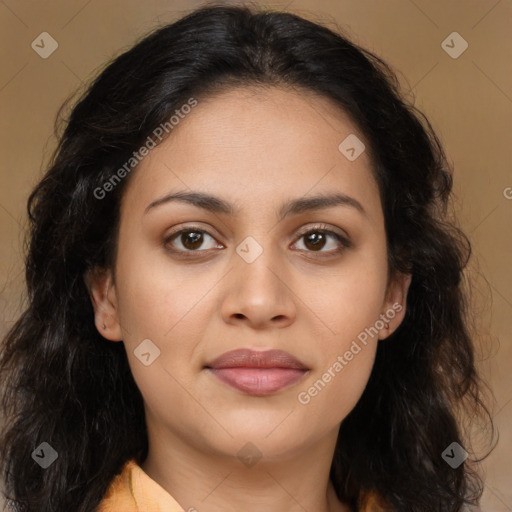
{"x":259,"y":293}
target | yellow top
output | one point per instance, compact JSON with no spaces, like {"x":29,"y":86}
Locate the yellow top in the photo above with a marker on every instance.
{"x":134,"y":491}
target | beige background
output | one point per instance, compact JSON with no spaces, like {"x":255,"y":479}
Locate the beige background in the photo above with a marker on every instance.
{"x":468,"y":100}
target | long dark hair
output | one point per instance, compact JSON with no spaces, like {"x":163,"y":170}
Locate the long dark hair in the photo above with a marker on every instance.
{"x":67,"y":386}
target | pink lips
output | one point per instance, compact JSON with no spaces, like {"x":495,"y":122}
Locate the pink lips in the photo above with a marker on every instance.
{"x":255,"y":372}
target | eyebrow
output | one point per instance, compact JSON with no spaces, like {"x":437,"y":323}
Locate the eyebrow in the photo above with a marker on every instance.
{"x":297,"y":206}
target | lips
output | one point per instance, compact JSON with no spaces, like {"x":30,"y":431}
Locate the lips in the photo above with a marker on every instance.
{"x":257,"y":373}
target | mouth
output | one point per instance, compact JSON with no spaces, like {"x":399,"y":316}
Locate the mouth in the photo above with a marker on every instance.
{"x":257,"y":373}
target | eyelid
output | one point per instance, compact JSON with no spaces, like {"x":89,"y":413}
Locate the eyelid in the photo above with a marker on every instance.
{"x":323,"y":227}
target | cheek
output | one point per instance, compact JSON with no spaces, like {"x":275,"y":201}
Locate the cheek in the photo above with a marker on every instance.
{"x":154,"y":299}
{"x":170,"y":307}
{"x":350,"y":305}
{"x":348,"y":300}
{"x":167,"y":312}
{"x":345,"y":359}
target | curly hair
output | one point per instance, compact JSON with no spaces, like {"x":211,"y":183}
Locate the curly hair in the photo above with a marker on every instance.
{"x":66,"y":386}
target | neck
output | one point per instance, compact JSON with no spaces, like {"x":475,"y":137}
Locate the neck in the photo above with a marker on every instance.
{"x":210,"y":482}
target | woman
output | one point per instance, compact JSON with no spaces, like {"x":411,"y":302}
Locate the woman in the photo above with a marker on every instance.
{"x":245,"y":202}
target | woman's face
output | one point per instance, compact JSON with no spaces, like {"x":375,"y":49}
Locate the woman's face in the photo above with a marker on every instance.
{"x":247,"y":275}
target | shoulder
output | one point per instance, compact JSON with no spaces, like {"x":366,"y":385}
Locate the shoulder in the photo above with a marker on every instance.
{"x":119,"y":495}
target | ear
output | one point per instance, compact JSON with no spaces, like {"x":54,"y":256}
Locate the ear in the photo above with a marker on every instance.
{"x":395,"y":305}
{"x":102,"y":291}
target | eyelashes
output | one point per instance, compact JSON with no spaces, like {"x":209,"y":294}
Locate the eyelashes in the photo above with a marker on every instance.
{"x":191,"y":245}
{"x":325,"y":232}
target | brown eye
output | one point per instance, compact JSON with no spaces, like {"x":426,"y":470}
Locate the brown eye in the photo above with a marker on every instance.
{"x":317,"y":239}
{"x":189,"y":240}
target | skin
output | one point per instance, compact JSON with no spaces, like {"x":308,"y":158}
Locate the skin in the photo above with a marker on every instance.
{"x":257,"y":149}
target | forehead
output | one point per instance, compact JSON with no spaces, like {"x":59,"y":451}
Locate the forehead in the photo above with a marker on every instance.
{"x":253,"y":144}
